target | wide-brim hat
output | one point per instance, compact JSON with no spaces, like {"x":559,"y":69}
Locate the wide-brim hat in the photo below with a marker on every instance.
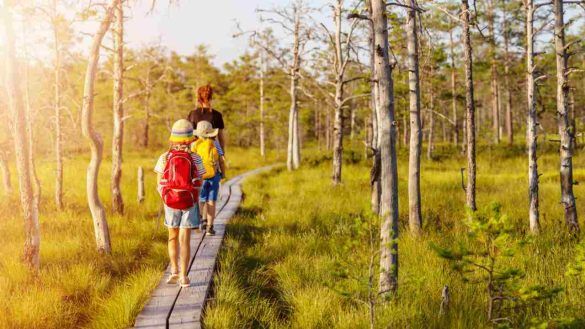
{"x":182,"y":132}
{"x":205,"y":129}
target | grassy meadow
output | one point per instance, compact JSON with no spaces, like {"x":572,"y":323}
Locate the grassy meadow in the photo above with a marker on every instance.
{"x":76,"y":287}
{"x":281,"y":259}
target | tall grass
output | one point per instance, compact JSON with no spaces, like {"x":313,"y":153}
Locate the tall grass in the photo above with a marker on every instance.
{"x":284,"y":249}
{"x":75,"y":286}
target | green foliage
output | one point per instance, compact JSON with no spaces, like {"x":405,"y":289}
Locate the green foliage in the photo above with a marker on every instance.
{"x":577,"y":267}
{"x":481,"y":260}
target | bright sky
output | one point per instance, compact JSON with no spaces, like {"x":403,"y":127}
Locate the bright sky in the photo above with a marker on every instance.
{"x":184,"y":25}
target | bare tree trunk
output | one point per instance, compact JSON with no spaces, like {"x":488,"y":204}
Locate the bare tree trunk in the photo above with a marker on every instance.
{"x":376,"y":189}
{"x":432,"y":119}
{"x":338,"y":134}
{"x":532,"y":123}
{"x":291,"y":118}
{"x":414,"y":214}
{"x":57,"y":101}
{"x":32,"y":237}
{"x":146,"y":108}
{"x":509,"y":117}
{"x":494,"y":74}
{"x":294,"y":156}
{"x":102,"y":233}
{"x":352,"y":124}
{"x":118,"y":110}
{"x":339,"y":91}
{"x":140,"y":188}
{"x":470,"y":106}
{"x":388,"y":282}
{"x":454,"y":89}
{"x":565,"y":133}
{"x":5,"y":174}
{"x":262,"y":70}
{"x":29,"y":120}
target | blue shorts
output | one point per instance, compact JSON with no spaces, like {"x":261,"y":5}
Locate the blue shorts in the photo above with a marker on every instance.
{"x":175,"y":218}
{"x":210,"y":189}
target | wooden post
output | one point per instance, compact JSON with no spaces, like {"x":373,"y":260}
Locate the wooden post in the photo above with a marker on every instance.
{"x":140,"y":185}
{"x":445,"y":299}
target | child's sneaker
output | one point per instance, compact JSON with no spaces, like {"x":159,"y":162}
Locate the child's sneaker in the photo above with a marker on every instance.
{"x":185,"y":282}
{"x":173,"y":278}
{"x":210,"y":230}
{"x":203,"y":225}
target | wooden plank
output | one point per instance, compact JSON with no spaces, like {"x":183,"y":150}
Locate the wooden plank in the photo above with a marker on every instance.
{"x":186,"y":305}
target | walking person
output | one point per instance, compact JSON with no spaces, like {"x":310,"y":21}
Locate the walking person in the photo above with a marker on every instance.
{"x":179,"y":177}
{"x":205,"y":112}
{"x":207,"y":149}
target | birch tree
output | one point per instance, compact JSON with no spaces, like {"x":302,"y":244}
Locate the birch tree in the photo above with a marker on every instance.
{"x":414,"y":207}
{"x":341,"y":43}
{"x":291,"y":20}
{"x":470,"y":106}
{"x":566,"y":133}
{"x":118,"y":109}
{"x":388,"y":281}
{"x":17,"y":110}
{"x":56,"y":26}
{"x":532,"y":119}
{"x":495,"y":96}
{"x":102,"y":233}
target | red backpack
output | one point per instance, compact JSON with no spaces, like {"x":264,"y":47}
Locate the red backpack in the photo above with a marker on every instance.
{"x":178,"y":184}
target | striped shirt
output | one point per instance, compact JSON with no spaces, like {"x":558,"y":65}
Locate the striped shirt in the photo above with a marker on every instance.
{"x":218,"y":147}
{"x":159,"y":168}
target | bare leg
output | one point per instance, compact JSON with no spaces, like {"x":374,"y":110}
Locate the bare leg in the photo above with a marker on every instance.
{"x":210,"y":210}
{"x":173,"y":249}
{"x":203,"y":210}
{"x":185,"y":242}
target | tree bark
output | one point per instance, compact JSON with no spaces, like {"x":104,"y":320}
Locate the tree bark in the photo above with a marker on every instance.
{"x":32,"y":238}
{"x":453,"y":89}
{"x":376,"y":189}
{"x":294,"y":153}
{"x":532,"y":121}
{"x":339,"y":72}
{"x":262,"y":70}
{"x":118,"y":110}
{"x":509,"y":115}
{"x":470,"y":108}
{"x":432,"y":119}
{"x":102,"y":233}
{"x":6,"y":183}
{"x":414,"y":206}
{"x":29,"y":119}
{"x":565,"y":132}
{"x":388,"y":281}
{"x":146,"y":108}
{"x":140,"y":188}
{"x":57,"y":110}
{"x":494,"y":74}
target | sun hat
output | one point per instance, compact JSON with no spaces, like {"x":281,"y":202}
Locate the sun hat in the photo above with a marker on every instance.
{"x":182,"y":132}
{"x":205,"y":129}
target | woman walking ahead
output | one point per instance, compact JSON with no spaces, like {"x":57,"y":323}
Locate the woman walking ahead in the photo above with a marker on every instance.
{"x":204,"y":112}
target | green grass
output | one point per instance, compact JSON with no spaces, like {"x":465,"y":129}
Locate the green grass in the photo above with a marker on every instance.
{"x":295,"y":232}
{"x":75,"y":286}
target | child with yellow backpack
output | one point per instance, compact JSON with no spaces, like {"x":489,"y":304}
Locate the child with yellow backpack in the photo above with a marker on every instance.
{"x":210,"y":154}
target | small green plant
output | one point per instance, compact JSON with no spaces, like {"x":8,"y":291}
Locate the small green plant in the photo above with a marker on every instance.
{"x":481,"y":260}
{"x":577,"y":268}
{"x":367,"y":292}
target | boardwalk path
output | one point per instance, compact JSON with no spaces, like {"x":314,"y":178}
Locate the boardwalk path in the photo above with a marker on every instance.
{"x":171,"y":306}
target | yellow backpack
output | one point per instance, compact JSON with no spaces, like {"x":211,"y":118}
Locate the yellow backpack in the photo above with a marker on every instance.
{"x":206,"y":150}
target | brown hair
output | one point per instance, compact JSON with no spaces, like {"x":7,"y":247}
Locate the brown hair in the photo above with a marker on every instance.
{"x":204,"y":96}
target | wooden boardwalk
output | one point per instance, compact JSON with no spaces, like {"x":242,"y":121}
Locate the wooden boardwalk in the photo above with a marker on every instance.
{"x":171,"y":306}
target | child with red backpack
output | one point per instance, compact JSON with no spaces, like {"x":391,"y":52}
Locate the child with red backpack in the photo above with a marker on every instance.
{"x":210,"y":153}
{"x":179,"y":177}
